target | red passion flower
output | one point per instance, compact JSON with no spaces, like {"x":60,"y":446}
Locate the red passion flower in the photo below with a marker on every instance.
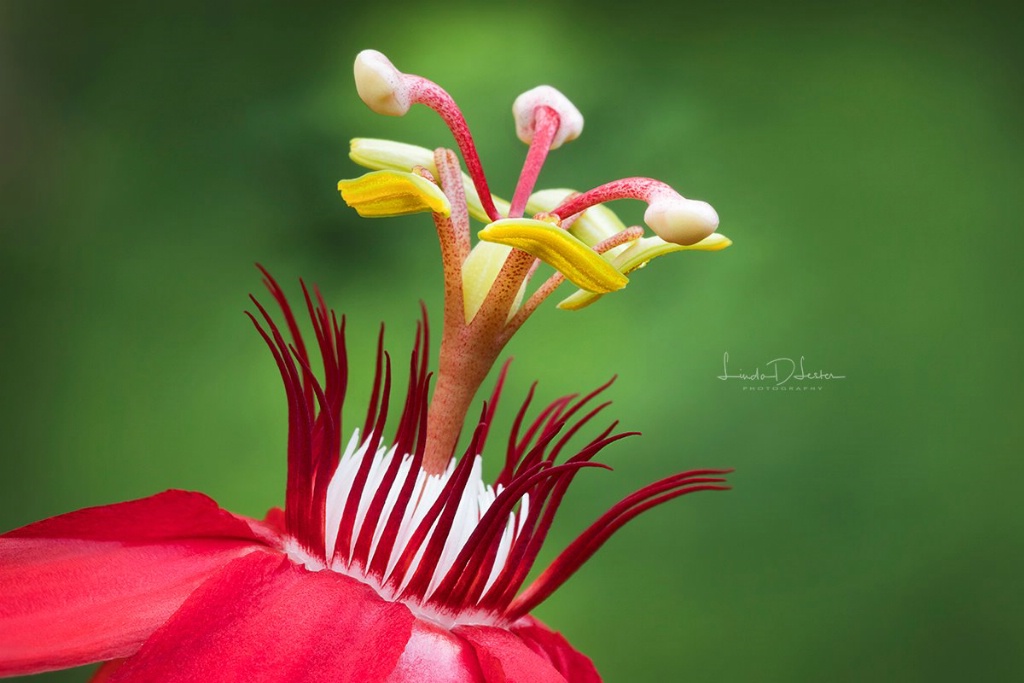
{"x":392,"y":559}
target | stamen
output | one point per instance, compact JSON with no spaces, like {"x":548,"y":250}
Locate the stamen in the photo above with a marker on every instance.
{"x":551,"y":284}
{"x":558,"y":248}
{"x":455,"y":237}
{"x":672,"y":217}
{"x":394,"y":193}
{"x":388,"y":91}
{"x":639,"y":254}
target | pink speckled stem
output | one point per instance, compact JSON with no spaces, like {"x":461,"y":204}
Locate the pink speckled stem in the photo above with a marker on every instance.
{"x":546,"y":122}
{"x":426,"y":92}
{"x":645,"y":189}
{"x":468,"y":351}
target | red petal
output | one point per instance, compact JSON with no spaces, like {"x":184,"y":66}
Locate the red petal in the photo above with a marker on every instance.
{"x":434,"y":654}
{"x":569,"y":661}
{"x":275,"y":520}
{"x":106,"y":670}
{"x":265,"y":619}
{"x":164,"y":517}
{"x":506,"y":658}
{"x":93,"y":584}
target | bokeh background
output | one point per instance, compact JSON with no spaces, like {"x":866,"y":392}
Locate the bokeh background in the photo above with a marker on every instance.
{"x":866,"y":161}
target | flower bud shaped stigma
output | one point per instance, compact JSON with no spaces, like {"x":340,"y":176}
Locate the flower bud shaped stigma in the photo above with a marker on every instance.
{"x":380,"y":85}
{"x":671,"y":216}
{"x":681,"y":221}
{"x":525,"y":107}
{"x":390,"y":92}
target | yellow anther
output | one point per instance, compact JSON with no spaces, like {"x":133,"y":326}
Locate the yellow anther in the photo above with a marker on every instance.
{"x":636,"y":256}
{"x":397,"y":156}
{"x":574,"y":259}
{"x":393,"y":193}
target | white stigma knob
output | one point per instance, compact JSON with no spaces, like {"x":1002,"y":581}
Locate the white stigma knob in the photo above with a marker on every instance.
{"x":681,"y":221}
{"x":570,"y":120}
{"x":380,"y":85}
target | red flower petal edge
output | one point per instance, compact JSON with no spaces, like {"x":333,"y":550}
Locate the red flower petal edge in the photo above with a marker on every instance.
{"x":94,"y":584}
{"x":264,"y":619}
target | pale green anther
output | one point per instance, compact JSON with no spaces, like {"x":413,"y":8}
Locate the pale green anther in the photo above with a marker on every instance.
{"x":637,"y":256}
{"x":567,"y":254}
{"x":397,"y":156}
{"x":393,"y":193}
{"x":385,"y":154}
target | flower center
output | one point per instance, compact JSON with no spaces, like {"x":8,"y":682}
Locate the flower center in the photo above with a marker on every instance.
{"x":453,"y":549}
{"x":429,"y":490}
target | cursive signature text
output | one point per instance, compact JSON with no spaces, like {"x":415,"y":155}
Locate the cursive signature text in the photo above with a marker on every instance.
{"x":778,"y":370}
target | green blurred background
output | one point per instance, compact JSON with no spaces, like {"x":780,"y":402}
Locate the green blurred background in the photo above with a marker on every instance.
{"x":865,"y":160}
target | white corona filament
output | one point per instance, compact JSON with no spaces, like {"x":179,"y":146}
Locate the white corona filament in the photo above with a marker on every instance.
{"x":476,"y":500}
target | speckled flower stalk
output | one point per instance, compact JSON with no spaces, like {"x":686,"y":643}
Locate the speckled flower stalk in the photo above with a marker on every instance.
{"x":485,"y":283}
